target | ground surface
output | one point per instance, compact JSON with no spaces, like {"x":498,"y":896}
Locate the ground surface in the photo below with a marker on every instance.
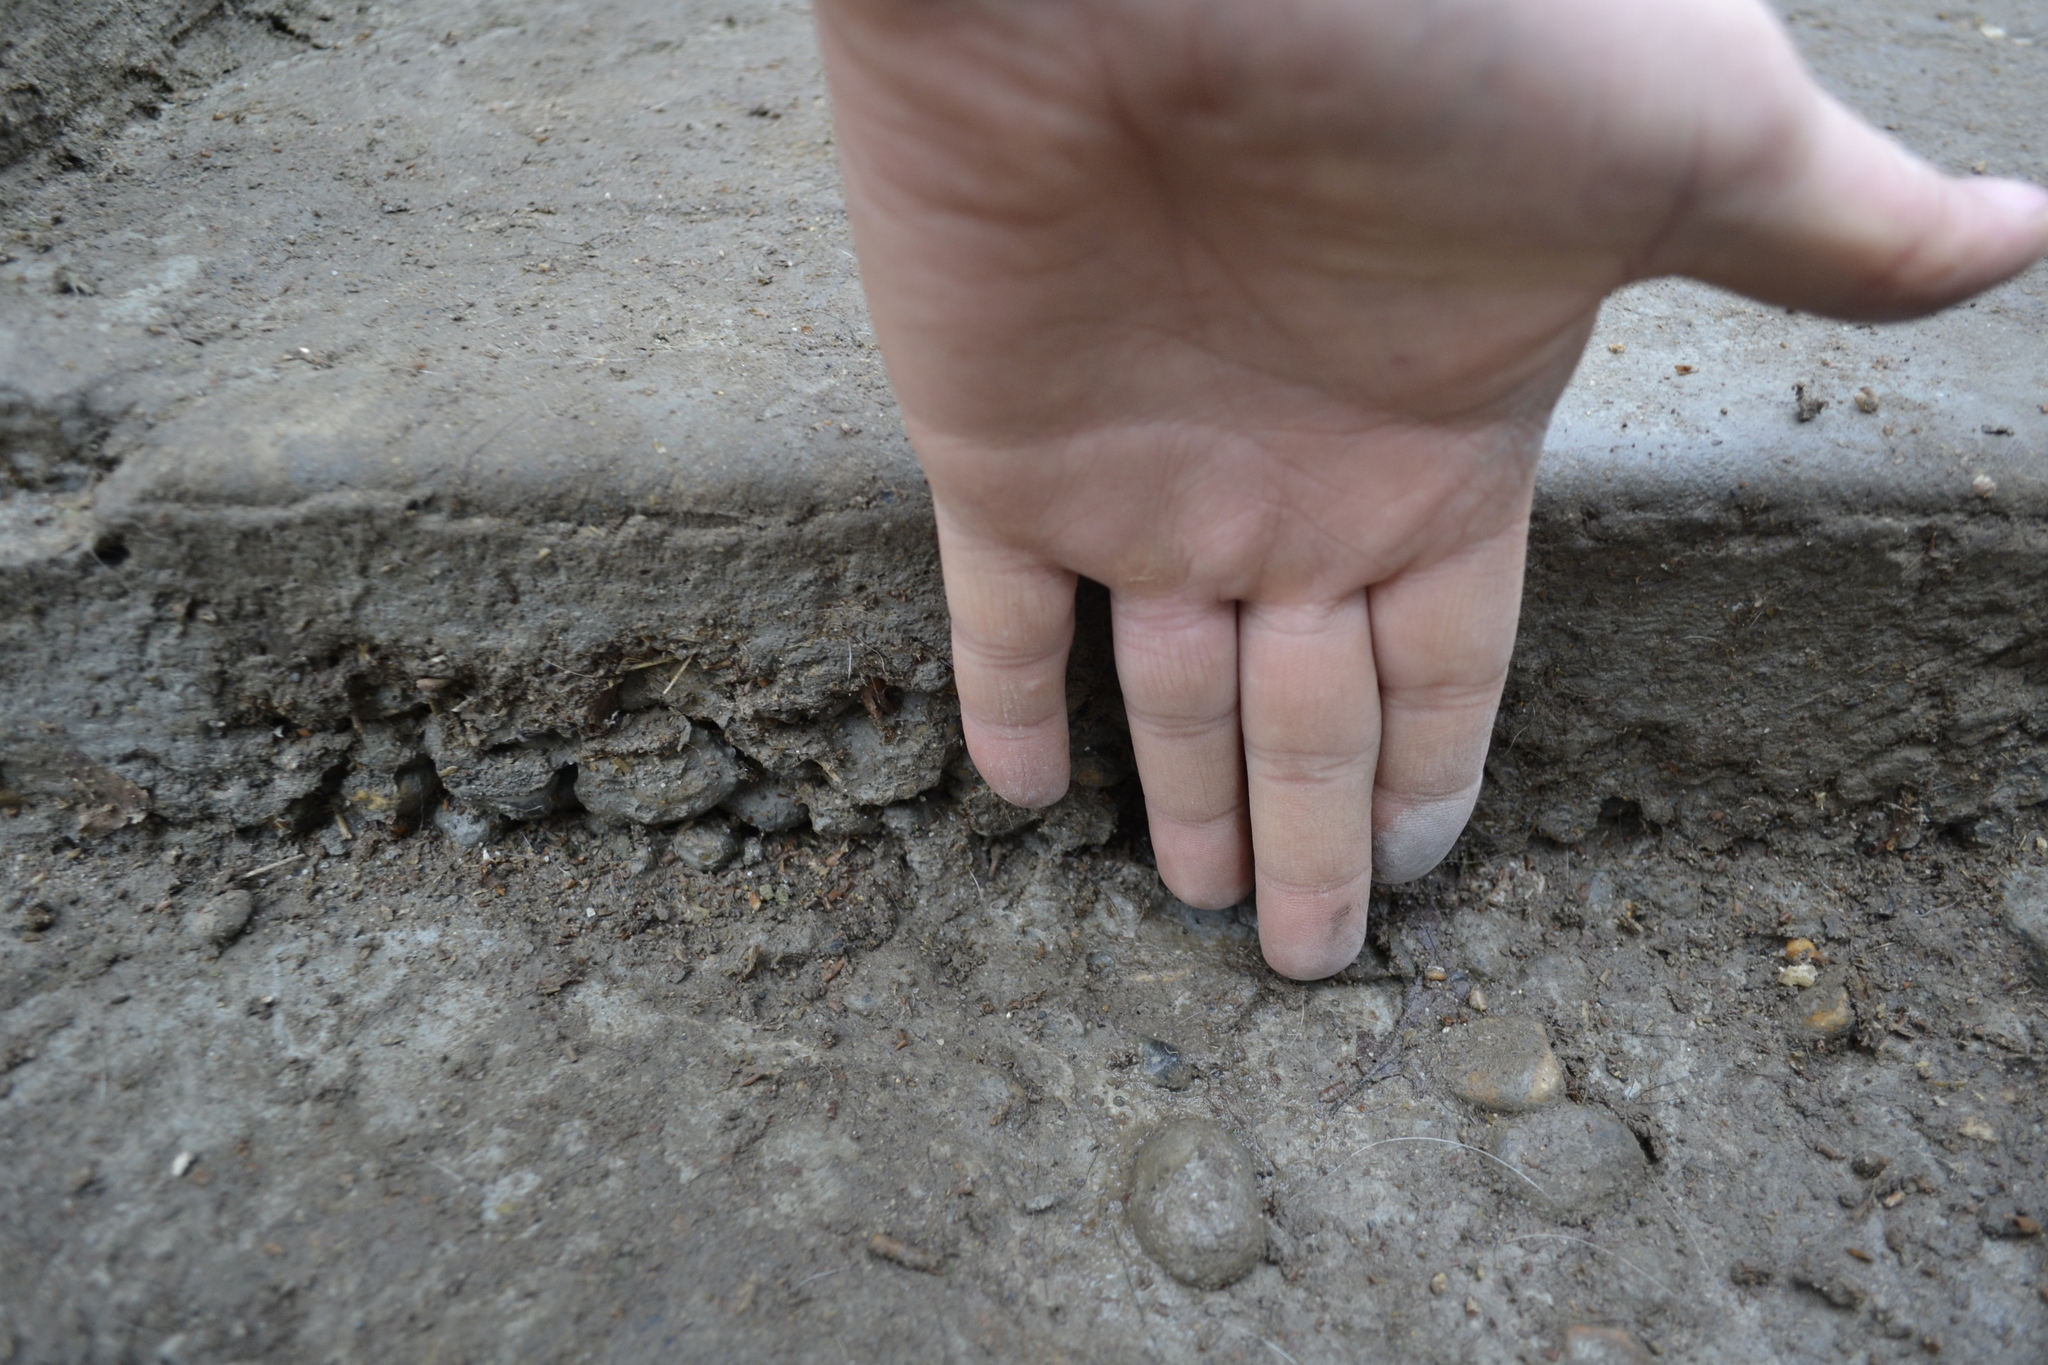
{"x":555,"y":1098}
{"x":570,"y":1103}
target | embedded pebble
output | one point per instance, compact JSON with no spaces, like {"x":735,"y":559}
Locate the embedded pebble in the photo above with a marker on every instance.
{"x":705,"y":846}
{"x":2026,"y":914}
{"x":217,"y":923}
{"x":467,"y":825}
{"x":525,"y":780}
{"x":1040,"y":1203}
{"x":1577,"y":1158}
{"x":655,"y":768}
{"x":1823,"y":1012}
{"x":2001,"y":1027}
{"x":1194,"y":1206}
{"x":1799,"y":975}
{"x":769,"y":805}
{"x":1505,"y":1065}
{"x":1164,"y":1064}
{"x":1590,"y":1345}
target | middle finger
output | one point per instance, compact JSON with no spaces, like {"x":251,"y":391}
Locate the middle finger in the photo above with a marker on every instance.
{"x":1311,"y":717}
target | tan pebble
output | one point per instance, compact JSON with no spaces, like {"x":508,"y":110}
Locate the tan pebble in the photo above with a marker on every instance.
{"x":1800,"y":974}
{"x":1439,"y":1282}
{"x":1866,"y":400}
{"x":1471,"y":1308}
{"x":1983,"y":485}
{"x":1588,"y":1345}
{"x":1833,"y":1017}
{"x":1502,"y":1064}
{"x":1798,"y":949}
{"x":1477,"y":1000}
{"x":1434,"y":974}
{"x":1977,"y":1129}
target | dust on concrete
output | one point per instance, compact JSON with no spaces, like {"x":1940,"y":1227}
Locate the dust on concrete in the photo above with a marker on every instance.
{"x":562,"y":1097}
{"x":533,"y":1090}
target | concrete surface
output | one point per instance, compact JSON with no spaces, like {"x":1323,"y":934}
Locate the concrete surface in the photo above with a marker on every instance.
{"x":408,"y":433}
{"x":520,"y":346}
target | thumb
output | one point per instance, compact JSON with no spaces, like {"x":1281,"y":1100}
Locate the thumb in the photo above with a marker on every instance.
{"x":1839,"y":219}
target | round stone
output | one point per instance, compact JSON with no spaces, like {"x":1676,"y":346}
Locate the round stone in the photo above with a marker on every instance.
{"x":1194,"y":1206}
{"x":705,"y":846}
{"x":1569,"y":1159}
{"x":1505,"y":1065}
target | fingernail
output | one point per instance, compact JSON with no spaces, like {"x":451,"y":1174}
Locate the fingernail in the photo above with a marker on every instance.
{"x":2016,"y":197}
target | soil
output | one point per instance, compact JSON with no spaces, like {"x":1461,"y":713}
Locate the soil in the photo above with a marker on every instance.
{"x":553,"y":1099}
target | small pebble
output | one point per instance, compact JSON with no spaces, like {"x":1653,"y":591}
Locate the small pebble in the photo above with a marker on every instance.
{"x":1040,"y":1203}
{"x":217,"y":923}
{"x":1477,"y":1000}
{"x":1798,"y":949}
{"x":1193,"y":1206}
{"x":1866,"y":400}
{"x":1589,"y":1345}
{"x":2026,"y":914}
{"x":1823,"y":1012}
{"x":1798,"y":974}
{"x":769,"y":805}
{"x":1502,"y":1064}
{"x":467,"y":825}
{"x":182,"y":1163}
{"x":1164,"y":1064}
{"x":886,"y":1248}
{"x":1439,"y":1282}
{"x":704,"y":846}
{"x":1977,"y":1130}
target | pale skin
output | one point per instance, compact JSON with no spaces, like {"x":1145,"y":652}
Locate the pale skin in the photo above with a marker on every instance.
{"x":1255,"y":311}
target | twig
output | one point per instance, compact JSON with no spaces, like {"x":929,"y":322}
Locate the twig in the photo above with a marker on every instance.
{"x":267,"y":867}
{"x":682,"y":667}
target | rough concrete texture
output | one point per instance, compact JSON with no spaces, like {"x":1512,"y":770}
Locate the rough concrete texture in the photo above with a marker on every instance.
{"x":508,"y":366}
{"x":406,"y":541}
{"x":73,"y":72}
{"x":556,"y":1099}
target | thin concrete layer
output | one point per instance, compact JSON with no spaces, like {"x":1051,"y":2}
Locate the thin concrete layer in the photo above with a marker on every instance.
{"x":521,"y":353}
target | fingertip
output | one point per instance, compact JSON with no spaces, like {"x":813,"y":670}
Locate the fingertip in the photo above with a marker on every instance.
{"x":2021,"y":200}
{"x":1026,"y":766}
{"x":1206,"y":864}
{"x":2015,"y":208}
{"x":1310,"y":961}
{"x":1206,"y":889}
{"x":1309,"y":940}
{"x":1412,"y":837}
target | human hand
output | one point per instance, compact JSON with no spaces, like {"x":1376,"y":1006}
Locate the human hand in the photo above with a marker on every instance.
{"x":1255,"y":311}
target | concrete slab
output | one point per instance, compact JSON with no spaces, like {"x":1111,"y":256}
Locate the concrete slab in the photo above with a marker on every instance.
{"x":520,"y":349}
{"x":295,"y":1090}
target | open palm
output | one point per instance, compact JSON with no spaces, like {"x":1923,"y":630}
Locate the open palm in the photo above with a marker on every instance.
{"x":1255,"y":312}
